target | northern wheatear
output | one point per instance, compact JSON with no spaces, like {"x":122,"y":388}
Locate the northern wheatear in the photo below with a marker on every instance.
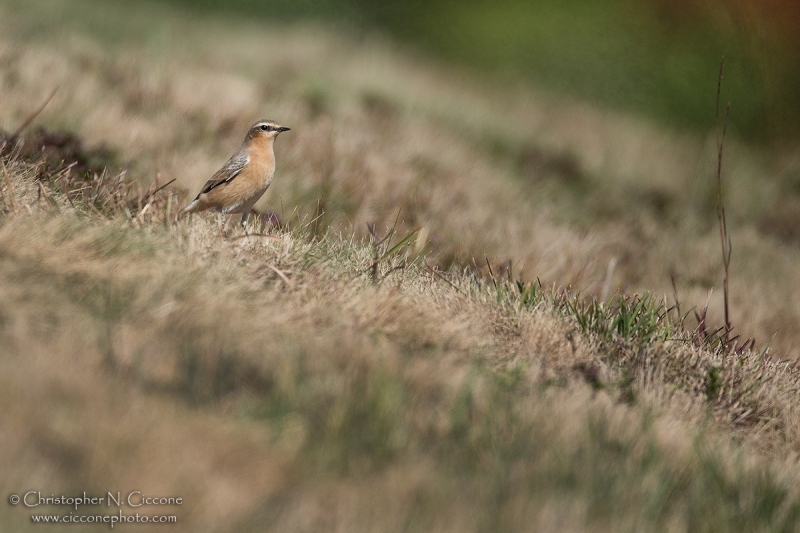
{"x":238,"y":185}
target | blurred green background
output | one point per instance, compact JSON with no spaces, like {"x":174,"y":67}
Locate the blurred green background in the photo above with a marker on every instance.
{"x":658,"y":58}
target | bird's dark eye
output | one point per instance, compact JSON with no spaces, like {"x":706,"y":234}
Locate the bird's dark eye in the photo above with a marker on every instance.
{"x":264,"y":127}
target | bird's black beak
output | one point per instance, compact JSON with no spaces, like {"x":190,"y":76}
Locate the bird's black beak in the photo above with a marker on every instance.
{"x":282,"y":129}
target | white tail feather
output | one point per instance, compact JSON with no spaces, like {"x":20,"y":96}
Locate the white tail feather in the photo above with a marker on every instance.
{"x":191,"y":208}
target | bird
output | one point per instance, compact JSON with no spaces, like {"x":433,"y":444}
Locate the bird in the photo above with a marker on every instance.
{"x":238,"y":185}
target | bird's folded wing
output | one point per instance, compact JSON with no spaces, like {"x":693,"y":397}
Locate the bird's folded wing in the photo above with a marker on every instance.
{"x":228,"y":171}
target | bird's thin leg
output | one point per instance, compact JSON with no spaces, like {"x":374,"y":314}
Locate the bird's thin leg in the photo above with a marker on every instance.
{"x":245,"y":216}
{"x":222,"y":224}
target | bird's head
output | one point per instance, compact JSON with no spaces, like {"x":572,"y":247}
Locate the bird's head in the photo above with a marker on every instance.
{"x":265,"y":129}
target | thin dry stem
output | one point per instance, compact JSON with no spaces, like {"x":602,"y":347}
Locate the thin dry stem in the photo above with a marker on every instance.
{"x":725,"y":239}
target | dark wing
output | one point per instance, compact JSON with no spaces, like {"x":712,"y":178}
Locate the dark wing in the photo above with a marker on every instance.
{"x":228,"y":171}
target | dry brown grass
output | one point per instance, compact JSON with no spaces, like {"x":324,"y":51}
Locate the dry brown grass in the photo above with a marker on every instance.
{"x":375,"y":132}
{"x":272,"y":384}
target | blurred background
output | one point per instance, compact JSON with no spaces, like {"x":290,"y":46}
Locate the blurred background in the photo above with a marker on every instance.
{"x":654,"y":57}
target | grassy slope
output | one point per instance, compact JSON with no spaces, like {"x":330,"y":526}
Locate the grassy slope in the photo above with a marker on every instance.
{"x":141,"y":354}
{"x":561,"y":190}
{"x":271,"y":384}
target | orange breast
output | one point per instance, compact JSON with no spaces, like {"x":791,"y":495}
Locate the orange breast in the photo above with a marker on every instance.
{"x":239,"y":195}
